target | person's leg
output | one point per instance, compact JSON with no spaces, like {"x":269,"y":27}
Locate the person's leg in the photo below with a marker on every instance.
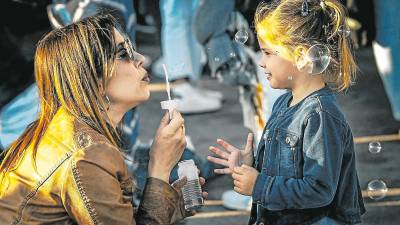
{"x":181,"y":51}
{"x":218,"y":44}
{"x":387,"y":50}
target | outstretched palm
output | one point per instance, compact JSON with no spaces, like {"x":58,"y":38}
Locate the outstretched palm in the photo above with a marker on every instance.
{"x":232,"y":156}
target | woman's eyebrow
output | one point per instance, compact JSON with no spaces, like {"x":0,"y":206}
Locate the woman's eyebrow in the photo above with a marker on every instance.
{"x":120,"y":46}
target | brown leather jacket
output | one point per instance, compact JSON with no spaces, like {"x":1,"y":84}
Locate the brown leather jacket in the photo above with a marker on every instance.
{"x":80,"y":179}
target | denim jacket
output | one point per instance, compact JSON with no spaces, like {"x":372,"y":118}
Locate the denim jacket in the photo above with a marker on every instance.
{"x":306,"y":161}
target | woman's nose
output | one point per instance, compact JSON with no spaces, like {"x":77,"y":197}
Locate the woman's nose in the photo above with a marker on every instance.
{"x":140,"y":61}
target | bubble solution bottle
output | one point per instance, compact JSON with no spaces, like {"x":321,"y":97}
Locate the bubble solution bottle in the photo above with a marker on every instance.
{"x":191,"y":191}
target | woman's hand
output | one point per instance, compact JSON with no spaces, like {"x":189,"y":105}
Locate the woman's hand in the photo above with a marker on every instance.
{"x":168,"y":145}
{"x":180,"y":212}
{"x":232,"y":156}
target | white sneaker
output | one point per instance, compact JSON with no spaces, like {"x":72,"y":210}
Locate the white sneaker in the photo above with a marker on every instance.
{"x":211,"y":94}
{"x":192,"y":101}
{"x":233,"y":200}
{"x":183,"y":88}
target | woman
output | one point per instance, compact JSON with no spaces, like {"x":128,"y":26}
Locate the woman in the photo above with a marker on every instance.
{"x":66,"y":167}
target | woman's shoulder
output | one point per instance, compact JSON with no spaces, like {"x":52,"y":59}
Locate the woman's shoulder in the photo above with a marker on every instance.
{"x":92,"y":146}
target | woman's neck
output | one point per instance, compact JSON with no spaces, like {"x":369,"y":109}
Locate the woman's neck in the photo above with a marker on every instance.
{"x":116,"y":114}
{"x":303,"y":90}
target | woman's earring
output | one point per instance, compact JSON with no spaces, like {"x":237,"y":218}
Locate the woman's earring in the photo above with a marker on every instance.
{"x":108,"y":102}
{"x":290,"y":77}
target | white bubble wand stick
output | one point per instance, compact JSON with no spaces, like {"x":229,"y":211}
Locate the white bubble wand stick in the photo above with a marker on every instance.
{"x":170,"y":104}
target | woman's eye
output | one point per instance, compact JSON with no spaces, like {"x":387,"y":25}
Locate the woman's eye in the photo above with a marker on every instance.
{"x":124,"y":55}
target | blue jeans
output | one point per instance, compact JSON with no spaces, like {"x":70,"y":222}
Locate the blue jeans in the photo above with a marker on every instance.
{"x":387,"y":50}
{"x":212,"y":20}
{"x":180,"y":48}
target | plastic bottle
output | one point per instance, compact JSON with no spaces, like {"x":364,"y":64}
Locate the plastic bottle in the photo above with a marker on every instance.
{"x":192,"y":194}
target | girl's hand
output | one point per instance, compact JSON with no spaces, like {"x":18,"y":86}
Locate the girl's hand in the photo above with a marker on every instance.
{"x":244,"y":179}
{"x":232,"y":156}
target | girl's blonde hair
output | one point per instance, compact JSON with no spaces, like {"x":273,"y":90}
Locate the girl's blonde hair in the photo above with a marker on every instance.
{"x":295,"y":25}
{"x":72,"y":67}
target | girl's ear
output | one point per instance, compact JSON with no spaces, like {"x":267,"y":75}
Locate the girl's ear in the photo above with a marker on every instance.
{"x":303,"y":64}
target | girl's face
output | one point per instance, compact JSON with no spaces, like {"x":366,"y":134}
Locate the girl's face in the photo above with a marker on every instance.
{"x":280,"y":72}
{"x":129,"y":84}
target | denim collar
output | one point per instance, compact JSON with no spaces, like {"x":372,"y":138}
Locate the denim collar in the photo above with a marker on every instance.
{"x":321,"y":92}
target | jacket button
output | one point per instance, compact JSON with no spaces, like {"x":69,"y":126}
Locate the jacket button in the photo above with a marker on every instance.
{"x":287,"y":140}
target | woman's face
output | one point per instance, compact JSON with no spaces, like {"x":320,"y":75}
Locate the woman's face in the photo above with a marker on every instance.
{"x":277,"y":69}
{"x":129,"y":84}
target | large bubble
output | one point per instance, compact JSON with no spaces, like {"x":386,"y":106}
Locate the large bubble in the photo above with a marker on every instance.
{"x":377,"y":189}
{"x":318,"y":57}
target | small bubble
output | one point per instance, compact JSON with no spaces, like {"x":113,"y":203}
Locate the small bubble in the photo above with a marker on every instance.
{"x":375,"y":147}
{"x":232,"y":54}
{"x":241,"y":36}
{"x":216,"y":59}
{"x":377,"y":189}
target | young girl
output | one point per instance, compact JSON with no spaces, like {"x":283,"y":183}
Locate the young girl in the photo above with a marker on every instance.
{"x":304,"y":168}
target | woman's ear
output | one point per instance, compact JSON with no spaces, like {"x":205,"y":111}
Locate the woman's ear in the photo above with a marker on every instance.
{"x":101,"y":86}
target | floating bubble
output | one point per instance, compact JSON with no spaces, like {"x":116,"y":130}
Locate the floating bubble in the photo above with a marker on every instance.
{"x":232,"y":54}
{"x":316,"y":59}
{"x":377,"y":189}
{"x":241,"y":36}
{"x":375,"y":147}
{"x":216,"y":59}
{"x":344,"y":30}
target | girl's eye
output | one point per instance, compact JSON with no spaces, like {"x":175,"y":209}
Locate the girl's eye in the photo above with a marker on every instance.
{"x":266,"y":53}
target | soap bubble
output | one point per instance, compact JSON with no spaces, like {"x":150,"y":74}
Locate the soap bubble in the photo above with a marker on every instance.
{"x":377,"y":189}
{"x":232,"y":54}
{"x":241,"y":36}
{"x":216,"y":59}
{"x":375,"y":147}
{"x":316,"y":59}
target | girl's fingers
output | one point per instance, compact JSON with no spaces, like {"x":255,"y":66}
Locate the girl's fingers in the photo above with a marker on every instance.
{"x":237,"y":183}
{"x":219,"y":152}
{"x":226,"y":145}
{"x":223,"y":171}
{"x":235,"y":176}
{"x":249,"y":143}
{"x":239,"y":170}
{"x":204,"y":194}
{"x":238,"y":190}
{"x":219,"y":161}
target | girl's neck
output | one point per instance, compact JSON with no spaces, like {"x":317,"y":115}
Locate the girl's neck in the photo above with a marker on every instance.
{"x":302,"y":91}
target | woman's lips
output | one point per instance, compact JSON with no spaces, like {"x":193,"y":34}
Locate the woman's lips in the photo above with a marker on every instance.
{"x":269,"y":76}
{"x":146,"y":78}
